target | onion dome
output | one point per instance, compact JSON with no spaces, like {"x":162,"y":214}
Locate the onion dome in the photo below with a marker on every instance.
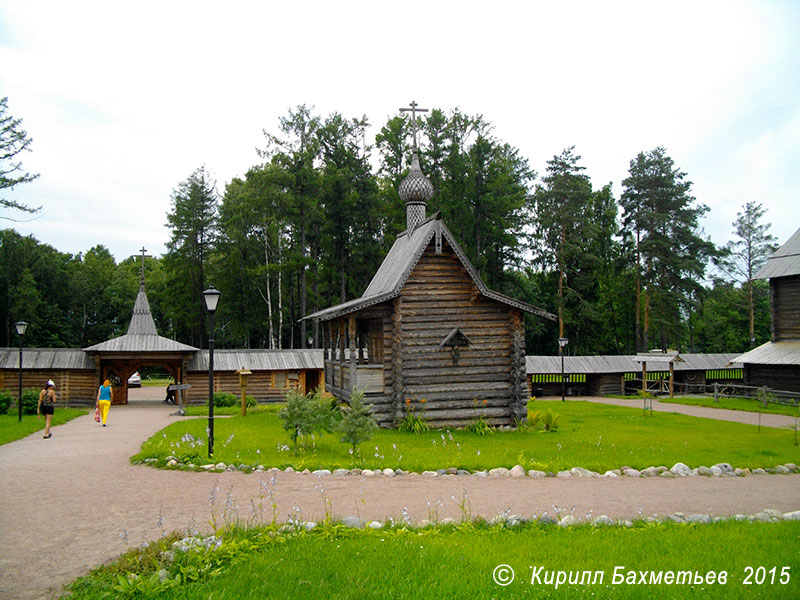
{"x":415,"y":190}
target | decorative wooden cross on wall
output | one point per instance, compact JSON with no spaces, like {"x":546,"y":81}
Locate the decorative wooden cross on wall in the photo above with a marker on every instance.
{"x":414,"y":110}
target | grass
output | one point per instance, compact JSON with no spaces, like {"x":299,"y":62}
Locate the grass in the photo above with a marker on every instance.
{"x":11,"y":429}
{"x":594,"y":436}
{"x":456,"y":562}
{"x":744,"y":404}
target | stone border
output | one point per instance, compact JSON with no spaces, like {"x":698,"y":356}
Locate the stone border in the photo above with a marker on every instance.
{"x":518,"y":471}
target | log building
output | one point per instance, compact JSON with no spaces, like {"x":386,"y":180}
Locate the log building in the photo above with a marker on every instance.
{"x":427,"y":336}
{"x":776,"y":364}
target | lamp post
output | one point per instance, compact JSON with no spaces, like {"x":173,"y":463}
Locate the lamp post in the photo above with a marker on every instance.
{"x":21,"y":327}
{"x":211,"y":297}
{"x":562,"y":342}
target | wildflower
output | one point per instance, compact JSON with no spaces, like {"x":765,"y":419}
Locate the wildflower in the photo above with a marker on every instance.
{"x":423,"y":401}
{"x":485,"y":402}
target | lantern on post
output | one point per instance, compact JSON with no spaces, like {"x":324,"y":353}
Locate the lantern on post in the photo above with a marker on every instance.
{"x":21,"y":327}
{"x":211,"y":297}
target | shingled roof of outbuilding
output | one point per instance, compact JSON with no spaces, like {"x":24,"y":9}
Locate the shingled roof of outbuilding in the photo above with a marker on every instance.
{"x":404,"y":255}
{"x":785,"y":261}
{"x":142,"y":335}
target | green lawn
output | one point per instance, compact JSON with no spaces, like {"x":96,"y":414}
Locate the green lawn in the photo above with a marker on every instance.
{"x":745,"y":404}
{"x":459,"y":562}
{"x":594,"y":436}
{"x":11,"y":429}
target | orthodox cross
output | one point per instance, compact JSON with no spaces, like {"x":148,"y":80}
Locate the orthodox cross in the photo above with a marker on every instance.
{"x":414,"y":110}
{"x":144,"y":255}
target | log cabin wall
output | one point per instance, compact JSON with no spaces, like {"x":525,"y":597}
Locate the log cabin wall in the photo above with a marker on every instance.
{"x":488,"y":377}
{"x":785,"y":306}
{"x":775,"y":377}
{"x":264,"y":386}
{"x":73,"y":387}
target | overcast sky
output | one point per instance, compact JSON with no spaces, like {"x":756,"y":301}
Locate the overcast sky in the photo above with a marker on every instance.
{"x":124,"y":100}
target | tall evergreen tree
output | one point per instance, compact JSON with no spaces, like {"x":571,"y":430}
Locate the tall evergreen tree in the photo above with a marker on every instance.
{"x":193,"y":225}
{"x":661,"y":223}
{"x":746,"y":254}
{"x":13,"y":141}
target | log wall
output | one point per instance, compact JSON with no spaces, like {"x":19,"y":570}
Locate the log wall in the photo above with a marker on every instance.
{"x":73,"y":387}
{"x":488,"y":377}
{"x":785,"y":306}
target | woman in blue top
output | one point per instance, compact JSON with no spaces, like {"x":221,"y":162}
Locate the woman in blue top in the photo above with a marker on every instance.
{"x":105,"y":394}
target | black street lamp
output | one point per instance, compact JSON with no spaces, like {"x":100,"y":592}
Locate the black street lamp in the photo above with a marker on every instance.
{"x":21,"y":327}
{"x":562,"y":342}
{"x":211,"y":296}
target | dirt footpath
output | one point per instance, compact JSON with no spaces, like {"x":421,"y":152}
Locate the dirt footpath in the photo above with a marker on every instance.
{"x":67,"y":503}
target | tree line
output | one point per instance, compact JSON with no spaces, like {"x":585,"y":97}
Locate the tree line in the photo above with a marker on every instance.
{"x":309,"y":225}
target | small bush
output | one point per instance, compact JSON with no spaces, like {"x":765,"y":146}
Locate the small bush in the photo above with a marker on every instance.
{"x":6,"y":400}
{"x":224,"y":399}
{"x":480,"y":426}
{"x":30,"y":401}
{"x":305,"y":415}
{"x":549,"y":420}
{"x":358,"y":423}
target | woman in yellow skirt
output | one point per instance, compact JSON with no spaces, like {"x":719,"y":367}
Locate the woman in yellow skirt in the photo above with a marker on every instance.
{"x":105,"y":394}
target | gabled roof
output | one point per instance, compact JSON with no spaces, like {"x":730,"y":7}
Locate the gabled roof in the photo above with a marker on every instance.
{"x":627,"y":363}
{"x":142,"y":335}
{"x":393,"y":273}
{"x":773,"y":353}
{"x":258,"y":360}
{"x":46,"y":358}
{"x":785,"y":261}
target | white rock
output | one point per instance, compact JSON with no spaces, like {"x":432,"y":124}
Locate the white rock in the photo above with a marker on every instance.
{"x":341,"y":472}
{"x":388,"y":472}
{"x":447,"y":521}
{"x":309,"y":525}
{"x":172,"y":462}
{"x":724,"y":467}
{"x":537,"y":474}
{"x":563,"y":474}
{"x":698,"y":518}
{"x":610,"y":474}
{"x":375,"y":525}
{"x":288,"y":470}
{"x":320,"y":472}
{"x":792,"y":516}
{"x":601,"y":520}
{"x":500,"y":472}
{"x":631,"y":473}
{"x":429,"y":473}
{"x":568,"y":521}
{"x":517,"y":471}
{"x":716,"y":471}
{"x":680,"y":469}
{"x":368,"y":473}
{"x":221,"y":466}
{"x":581,"y":472}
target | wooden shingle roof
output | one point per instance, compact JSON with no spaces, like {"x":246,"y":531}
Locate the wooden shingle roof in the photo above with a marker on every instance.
{"x":782,"y":352}
{"x":785,"y":261}
{"x":46,"y":358}
{"x":142,"y":335}
{"x":626,"y":363}
{"x":393,"y":273}
{"x":258,"y":360}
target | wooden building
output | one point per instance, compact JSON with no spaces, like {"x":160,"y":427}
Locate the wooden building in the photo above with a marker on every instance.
{"x":776,"y":364}
{"x":427,"y":335}
{"x":77,"y":373}
{"x":622,"y":374}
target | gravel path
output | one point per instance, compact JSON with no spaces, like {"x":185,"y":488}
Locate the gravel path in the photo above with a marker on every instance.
{"x":65,"y":501}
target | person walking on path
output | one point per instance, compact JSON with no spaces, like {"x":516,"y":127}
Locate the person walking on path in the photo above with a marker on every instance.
{"x":105,"y":394}
{"x":46,"y":406}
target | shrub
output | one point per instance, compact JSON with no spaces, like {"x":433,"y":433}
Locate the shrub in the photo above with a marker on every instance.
{"x":413,"y":423}
{"x":358,"y":423}
{"x":304,"y":415}
{"x":550,"y":420}
{"x":30,"y":401}
{"x":480,"y":426}
{"x":6,"y":400}
{"x":223,"y":399}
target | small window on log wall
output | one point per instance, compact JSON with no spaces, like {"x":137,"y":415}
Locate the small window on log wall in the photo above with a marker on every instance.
{"x":279,"y":380}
